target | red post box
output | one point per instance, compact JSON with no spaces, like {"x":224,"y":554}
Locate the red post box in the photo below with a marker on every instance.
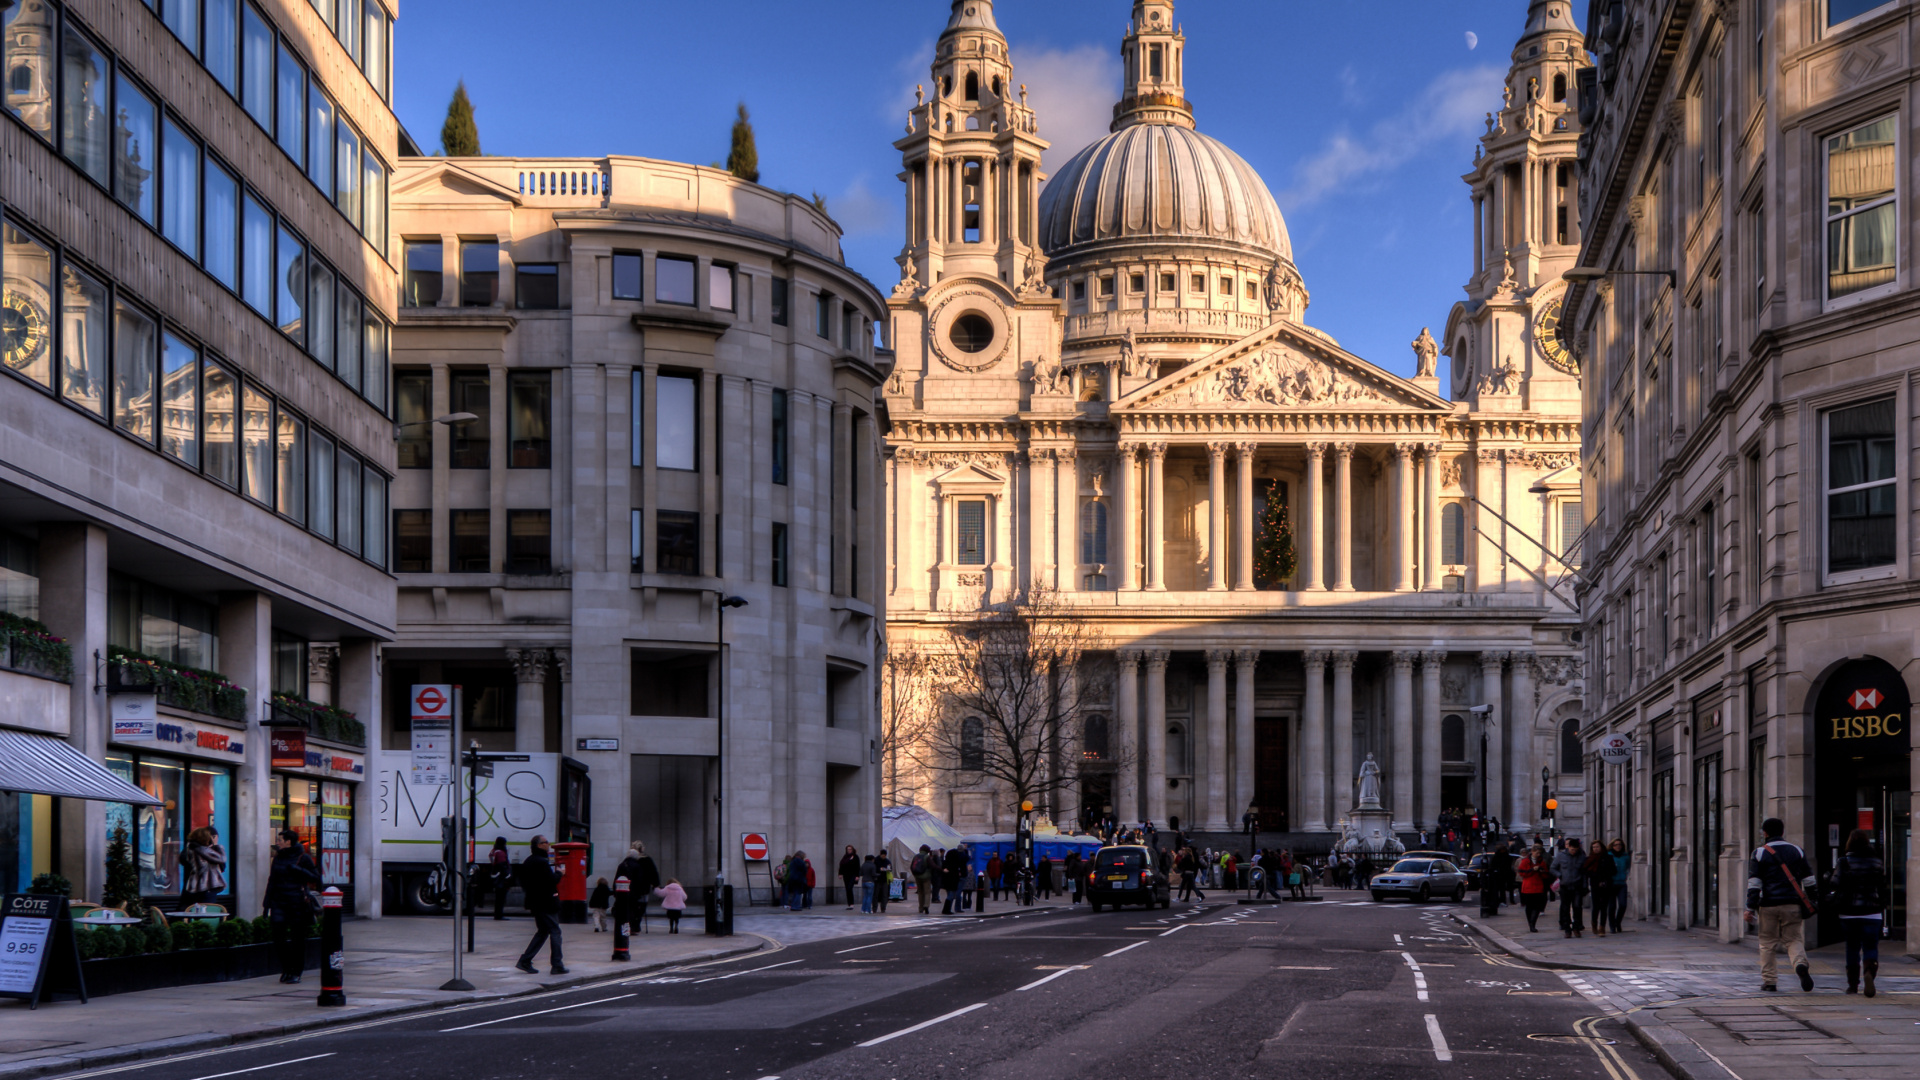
{"x":570,"y":860}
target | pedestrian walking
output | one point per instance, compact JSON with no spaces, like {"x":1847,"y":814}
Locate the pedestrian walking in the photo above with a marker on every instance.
{"x":953,"y":868}
{"x":540,"y":885}
{"x":1569,"y":867}
{"x":499,"y":876}
{"x":807,"y":865}
{"x":673,"y":901}
{"x":1189,"y":867}
{"x":994,"y":869}
{"x":1620,"y":863}
{"x":1778,"y":881}
{"x":643,"y":877}
{"x":289,"y":902}
{"x":863,"y":874}
{"x":851,"y":876}
{"x":1599,"y":873}
{"x":1043,"y":879}
{"x":882,"y":881}
{"x":798,"y":873}
{"x":1860,"y":894}
{"x":1075,"y":871}
{"x":598,"y":903}
{"x":922,"y":870}
{"x":1536,"y":878}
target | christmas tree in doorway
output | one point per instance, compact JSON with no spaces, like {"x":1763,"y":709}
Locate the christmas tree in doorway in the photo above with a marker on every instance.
{"x":1274,"y":560}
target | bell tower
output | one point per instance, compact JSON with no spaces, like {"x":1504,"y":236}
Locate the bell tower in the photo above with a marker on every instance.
{"x":972,"y":156}
{"x":1154,"y":55}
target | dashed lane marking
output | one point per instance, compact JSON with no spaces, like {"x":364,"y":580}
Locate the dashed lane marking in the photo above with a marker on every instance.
{"x":924,"y":1024}
{"x":857,"y":948}
{"x":1122,"y":949}
{"x":543,"y":1012}
{"x":257,"y":1068}
{"x":1440,"y":1051}
{"x":1045,"y":979}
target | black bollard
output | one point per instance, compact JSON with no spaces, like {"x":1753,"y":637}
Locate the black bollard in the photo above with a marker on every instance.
{"x":979,"y":894}
{"x":333,"y":962}
{"x":621,"y":892}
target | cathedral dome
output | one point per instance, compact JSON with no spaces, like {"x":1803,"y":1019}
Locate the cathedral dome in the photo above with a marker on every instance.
{"x":1161,"y":182}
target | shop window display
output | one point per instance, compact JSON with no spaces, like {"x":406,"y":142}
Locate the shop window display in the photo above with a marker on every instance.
{"x":191,"y":794}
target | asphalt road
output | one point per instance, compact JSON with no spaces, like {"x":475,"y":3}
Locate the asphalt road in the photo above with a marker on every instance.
{"x":1329,"y":991}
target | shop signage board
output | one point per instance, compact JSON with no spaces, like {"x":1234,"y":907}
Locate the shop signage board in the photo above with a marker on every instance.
{"x":432,"y":707}
{"x":289,"y":748}
{"x":37,"y":951}
{"x":597,"y":744}
{"x":1616,"y":748}
{"x":134,"y":716}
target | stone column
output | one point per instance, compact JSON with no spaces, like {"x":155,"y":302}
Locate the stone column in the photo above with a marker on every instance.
{"x":1343,"y":662}
{"x":1042,"y":523}
{"x":1313,"y":744}
{"x":1243,"y":518}
{"x":1343,"y":517}
{"x":73,"y":604}
{"x":1520,"y":745}
{"x":1126,"y":729}
{"x":1431,"y":515}
{"x":1125,"y":525}
{"x":1157,"y":737}
{"x":1490,"y":694}
{"x":357,"y":690}
{"x":1244,"y":661}
{"x":1430,"y":663}
{"x":246,"y":659}
{"x":1216,"y":516}
{"x":563,"y":667}
{"x":1315,"y":534}
{"x":1066,"y":491}
{"x":1214,"y":818}
{"x":322,"y":662}
{"x":1403,"y":740}
{"x":530,"y":699}
{"x":1403,"y":537}
{"x":1156,"y":520}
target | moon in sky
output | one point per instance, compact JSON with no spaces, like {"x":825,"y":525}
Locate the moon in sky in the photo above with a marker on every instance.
{"x":1473,"y":40}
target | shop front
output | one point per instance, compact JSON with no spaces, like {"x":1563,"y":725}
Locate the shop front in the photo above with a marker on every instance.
{"x":1862,"y":780}
{"x":187,"y":767}
{"x":312,"y":791}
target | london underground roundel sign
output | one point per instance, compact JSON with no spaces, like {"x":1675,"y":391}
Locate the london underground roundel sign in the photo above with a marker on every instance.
{"x":753,"y":846}
{"x":1616,"y":748}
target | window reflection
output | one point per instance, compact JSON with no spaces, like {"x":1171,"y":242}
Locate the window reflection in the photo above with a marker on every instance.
{"x":1861,"y":241}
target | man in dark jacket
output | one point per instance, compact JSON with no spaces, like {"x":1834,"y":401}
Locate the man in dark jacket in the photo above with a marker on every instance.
{"x":951,"y":873}
{"x":630,"y":907}
{"x":542,"y":888}
{"x":1779,"y":897}
{"x":289,"y":879}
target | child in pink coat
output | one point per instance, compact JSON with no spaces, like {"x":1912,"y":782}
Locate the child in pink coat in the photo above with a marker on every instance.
{"x":673,"y":900}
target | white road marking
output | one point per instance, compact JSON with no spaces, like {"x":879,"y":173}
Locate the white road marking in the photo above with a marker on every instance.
{"x":257,"y":1068}
{"x":1042,"y":981}
{"x":925,"y":1024}
{"x":542,"y":1012}
{"x":857,"y":948}
{"x":749,"y":971}
{"x":1440,"y":1050}
{"x":1397,"y":941}
{"x":1283,"y":967}
{"x":1123,"y":948}
{"x":1182,"y":926}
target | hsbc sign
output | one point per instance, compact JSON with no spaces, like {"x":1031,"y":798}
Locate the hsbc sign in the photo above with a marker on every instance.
{"x":1863,"y":709}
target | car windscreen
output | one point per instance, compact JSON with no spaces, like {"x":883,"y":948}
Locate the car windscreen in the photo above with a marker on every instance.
{"x":1411,"y":866}
{"x":1119,"y":860}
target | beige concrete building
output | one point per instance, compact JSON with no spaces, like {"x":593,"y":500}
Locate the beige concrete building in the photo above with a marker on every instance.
{"x":194,"y":448}
{"x":1105,"y":378}
{"x":1749,"y":603}
{"x":675,"y":379}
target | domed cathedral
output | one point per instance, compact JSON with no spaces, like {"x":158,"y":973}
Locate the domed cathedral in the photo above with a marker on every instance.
{"x":1106,"y":390}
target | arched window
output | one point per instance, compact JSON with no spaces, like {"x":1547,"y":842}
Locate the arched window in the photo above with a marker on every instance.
{"x":1097,"y":738}
{"x":1570,"y":754}
{"x":1453,"y":738}
{"x":973,"y":744}
{"x":1559,"y":88}
{"x":996,"y":87}
{"x":1453,"y":534}
{"x":973,"y":86}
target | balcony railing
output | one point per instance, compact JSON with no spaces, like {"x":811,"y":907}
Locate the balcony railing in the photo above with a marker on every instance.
{"x":320,"y":721}
{"x":27,"y":647}
{"x":1097,"y":324}
{"x":175,"y":685}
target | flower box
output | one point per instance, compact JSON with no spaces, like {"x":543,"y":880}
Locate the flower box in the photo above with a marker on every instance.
{"x":186,"y":967}
{"x":176,"y":685}
{"x":27,"y":647}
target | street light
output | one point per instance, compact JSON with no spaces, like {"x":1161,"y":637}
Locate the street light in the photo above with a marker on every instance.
{"x":1580,"y":275}
{"x":722,"y":914}
{"x":449,"y":420}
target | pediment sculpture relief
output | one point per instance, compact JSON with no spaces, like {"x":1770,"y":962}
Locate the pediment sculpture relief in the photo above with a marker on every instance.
{"x":1278,"y":378}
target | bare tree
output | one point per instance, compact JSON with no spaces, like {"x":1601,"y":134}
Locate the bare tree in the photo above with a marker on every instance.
{"x":1012,"y":700}
{"x":908,"y":703}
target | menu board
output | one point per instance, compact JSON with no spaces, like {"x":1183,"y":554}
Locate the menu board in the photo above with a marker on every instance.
{"x":37,"y":951}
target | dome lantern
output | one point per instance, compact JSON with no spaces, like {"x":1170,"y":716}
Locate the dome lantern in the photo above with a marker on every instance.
{"x":1154,"y":54}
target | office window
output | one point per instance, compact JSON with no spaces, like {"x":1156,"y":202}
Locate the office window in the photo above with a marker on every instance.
{"x":1709,"y":569}
{"x":1571,"y":525}
{"x":1862,"y":233}
{"x":290,"y":466}
{"x":256,"y":66}
{"x":373,"y":501}
{"x":423,"y":266}
{"x":347,"y":335}
{"x":28,"y":306}
{"x":780,"y":439}
{"x":479,"y":273}
{"x":135,"y":343}
{"x":290,"y":271}
{"x":222,"y":210}
{"x":134,"y":154}
{"x":1106,"y":285}
{"x":626,"y":277}
{"x":180,"y":179}
{"x":346,"y":172}
{"x":1136,"y":283}
{"x":777,"y":305}
{"x":670,"y":684}
{"x":673,"y":280}
{"x":823,"y":315}
{"x":1226,"y":286}
{"x":373,"y":49}
{"x":29,"y":33}
{"x":256,"y":253}
{"x":636,"y":527}
{"x":180,"y":400}
{"x":720,"y":287}
{"x":470,"y":534}
{"x":472,"y":441}
{"x":676,"y":542}
{"x":676,"y":423}
{"x":373,"y":358}
{"x":256,"y":444}
{"x":529,"y":420}
{"x":779,"y":553}
{"x":290,"y":88}
{"x":320,"y":493}
{"x":220,"y":424}
{"x":536,"y":286}
{"x":319,"y":139}
{"x":373,"y":199}
{"x":83,"y":340}
{"x":970,"y":532}
{"x":86,"y":129}
{"x":413,"y":541}
{"x":1839,"y":11}
{"x":321,"y":326}
{"x":223,"y":43}
{"x":1093,"y":531}
{"x":347,"y":499}
{"x":412,"y":397}
{"x":1167,"y":282}
{"x":348,"y":27}
{"x":529,"y":542}
{"x":1862,"y":487}
{"x":1453,"y":534}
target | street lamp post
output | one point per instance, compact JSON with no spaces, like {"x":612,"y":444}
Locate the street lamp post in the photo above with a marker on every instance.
{"x":448,"y":420}
{"x":719,"y":904}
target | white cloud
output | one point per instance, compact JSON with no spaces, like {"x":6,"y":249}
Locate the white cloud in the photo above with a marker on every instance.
{"x":1449,"y":107}
{"x":861,"y":212}
{"x":1073,"y":91}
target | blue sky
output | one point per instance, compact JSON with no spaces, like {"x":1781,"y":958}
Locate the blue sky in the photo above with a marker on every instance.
{"x":1360,"y":116}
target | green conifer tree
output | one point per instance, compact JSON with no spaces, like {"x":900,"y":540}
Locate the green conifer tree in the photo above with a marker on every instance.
{"x":1274,"y":560}
{"x":743,"y":160}
{"x":123,"y":880}
{"x":458,"y":136}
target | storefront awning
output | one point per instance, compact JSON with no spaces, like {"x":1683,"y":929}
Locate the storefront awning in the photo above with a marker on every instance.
{"x":34,"y":764}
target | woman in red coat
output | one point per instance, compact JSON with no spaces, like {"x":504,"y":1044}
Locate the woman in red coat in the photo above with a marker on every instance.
{"x":1535,"y":879}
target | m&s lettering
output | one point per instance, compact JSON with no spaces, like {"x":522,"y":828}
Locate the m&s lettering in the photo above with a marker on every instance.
{"x":1867,"y":727}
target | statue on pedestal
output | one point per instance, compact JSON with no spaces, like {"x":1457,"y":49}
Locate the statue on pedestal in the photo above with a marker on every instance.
{"x":1369,"y":783}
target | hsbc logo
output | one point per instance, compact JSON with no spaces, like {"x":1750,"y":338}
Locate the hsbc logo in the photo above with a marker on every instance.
{"x":1865,"y":699}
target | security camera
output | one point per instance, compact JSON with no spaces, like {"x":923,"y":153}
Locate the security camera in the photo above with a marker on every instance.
{"x":1480,"y":709}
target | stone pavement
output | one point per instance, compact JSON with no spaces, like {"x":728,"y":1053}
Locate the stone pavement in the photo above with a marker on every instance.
{"x":1697,"y":1004}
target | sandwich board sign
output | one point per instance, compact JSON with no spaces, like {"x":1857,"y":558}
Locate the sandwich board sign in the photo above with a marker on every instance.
{"x":38,"y":955}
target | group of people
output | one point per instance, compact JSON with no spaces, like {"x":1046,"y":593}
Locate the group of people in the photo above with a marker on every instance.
{"x":1781,"y":890}
{"x":628,"y":906}
{"x":870,"y":878}
{"x":1579,"y":875}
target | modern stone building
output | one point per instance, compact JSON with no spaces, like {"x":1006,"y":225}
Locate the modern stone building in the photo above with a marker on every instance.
{"x":194,"y":448}
{"x":674,"y":378}
{"x":1105,"y":378}
{"x":1748,"y":372}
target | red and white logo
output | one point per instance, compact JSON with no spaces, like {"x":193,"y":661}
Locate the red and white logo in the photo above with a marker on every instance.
{"x":1865,"y":699}
{"x":753,"y":845}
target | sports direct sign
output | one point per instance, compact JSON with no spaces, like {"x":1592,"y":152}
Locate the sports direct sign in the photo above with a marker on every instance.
{"x":1616,"y":748}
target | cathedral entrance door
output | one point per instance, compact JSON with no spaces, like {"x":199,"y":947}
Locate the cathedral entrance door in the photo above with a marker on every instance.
{"x":1272,"y":766}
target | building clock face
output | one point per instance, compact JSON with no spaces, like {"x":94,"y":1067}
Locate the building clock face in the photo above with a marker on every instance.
{"x":23,"y":330}
{"x":1546,"y":335}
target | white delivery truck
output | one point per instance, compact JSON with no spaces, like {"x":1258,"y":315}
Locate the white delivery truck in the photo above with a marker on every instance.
{"x":537,"y":794}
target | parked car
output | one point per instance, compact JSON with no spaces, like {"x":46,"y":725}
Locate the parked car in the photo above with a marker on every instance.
{"x":1127,"y":874}
{"x":1420,"y":879}
{"x":1476,"y":870}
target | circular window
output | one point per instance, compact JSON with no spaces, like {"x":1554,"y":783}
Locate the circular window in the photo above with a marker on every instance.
{"x":971,"y":333}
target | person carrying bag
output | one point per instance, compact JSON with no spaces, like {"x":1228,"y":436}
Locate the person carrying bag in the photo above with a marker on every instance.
{"x":1778,"y":877}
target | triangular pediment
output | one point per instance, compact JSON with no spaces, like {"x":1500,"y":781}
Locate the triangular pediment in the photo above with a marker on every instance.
{"x":1282,"y":366}
{"x":444,"y":181}
{"x":968,"y":479}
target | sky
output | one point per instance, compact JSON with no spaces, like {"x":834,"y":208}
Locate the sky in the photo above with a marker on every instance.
{"x":1360,"y":116}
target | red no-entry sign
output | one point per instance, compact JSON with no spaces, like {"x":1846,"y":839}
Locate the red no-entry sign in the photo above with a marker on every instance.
{"x":754,"y":846}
